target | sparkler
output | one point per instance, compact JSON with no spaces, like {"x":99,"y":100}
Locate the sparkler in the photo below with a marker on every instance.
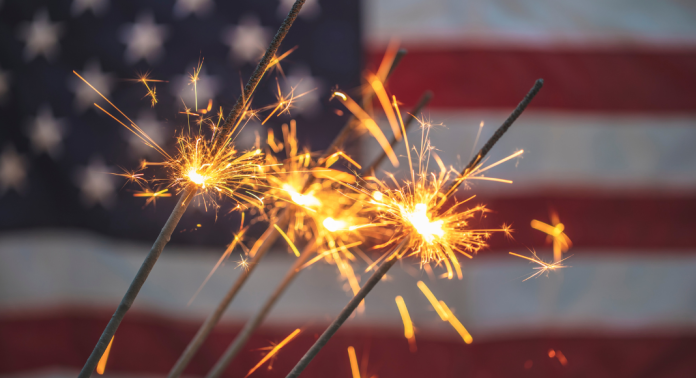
{"x":294,"y":178}
{"x":209,"y":174}
{"x":402,"y":247}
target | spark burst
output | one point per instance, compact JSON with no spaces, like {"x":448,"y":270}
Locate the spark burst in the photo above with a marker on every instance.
{"x":543,"y":267}
{"x":213,"y":165}
{"x":321,"y":214}
{"x":414,"y":209}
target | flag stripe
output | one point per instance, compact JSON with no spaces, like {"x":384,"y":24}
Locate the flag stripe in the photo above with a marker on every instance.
{"x":585,"y":80}
{"x":56,"y":346}
{"x":557,"y":23}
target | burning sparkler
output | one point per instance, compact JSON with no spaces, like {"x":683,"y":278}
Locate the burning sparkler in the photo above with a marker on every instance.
{"x":423,"y":229}
{"x":213,"y":167}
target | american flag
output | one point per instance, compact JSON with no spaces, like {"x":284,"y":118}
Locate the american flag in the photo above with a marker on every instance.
{"x":609,"y":149}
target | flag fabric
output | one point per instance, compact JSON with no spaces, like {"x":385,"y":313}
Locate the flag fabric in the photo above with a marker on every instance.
{"x":608,"y":153}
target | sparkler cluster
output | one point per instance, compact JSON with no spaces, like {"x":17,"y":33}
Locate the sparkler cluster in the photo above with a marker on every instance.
{"x":330,"y":210}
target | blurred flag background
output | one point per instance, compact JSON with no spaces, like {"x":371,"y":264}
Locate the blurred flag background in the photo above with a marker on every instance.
{"x":609,"y":149}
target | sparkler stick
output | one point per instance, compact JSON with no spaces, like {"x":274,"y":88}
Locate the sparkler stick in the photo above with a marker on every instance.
{"x":393,"y":255}
{"x":494,"y":139}
{"x":347,"y":312}
{"x":259,"y":249}
{"x":261,"y":68}
{"x":252,"y":324}
{"x":138,"y":281}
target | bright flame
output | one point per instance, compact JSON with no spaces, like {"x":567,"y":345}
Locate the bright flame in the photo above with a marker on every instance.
{"x":420,"y":220}
{"x":334,"y":225}
{"x":196,"y":177}
{"x":301,"y":199}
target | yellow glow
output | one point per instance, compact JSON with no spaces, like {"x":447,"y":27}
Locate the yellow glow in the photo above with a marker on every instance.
{"x":377,"y":195}
{"x":433,"y":301}
{"x":334,"y":225}
{"x":408,"y":325}
{"x":420,"y":220}
{"x":301,"y":199}
{"x":102,"y":361}
{"x":287,"y":239}
{"x":196,"y":177}
{"x":456,"y":324}
{"x":353,"y":362}
{"x":341,"y":95}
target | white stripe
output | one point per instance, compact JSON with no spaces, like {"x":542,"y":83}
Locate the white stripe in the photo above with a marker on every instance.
{"x":637,"y":294}
{"x":566,"y":151}
{"x":563,"y":23}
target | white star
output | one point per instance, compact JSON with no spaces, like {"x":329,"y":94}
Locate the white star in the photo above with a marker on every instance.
{"x":4,"y":85}
{"x":305,"y":84}
{"x":98,"y":7}
{"x":147,"y":121}
{"x":85,"y":96}
{"x":97,"y":186}
{"x":207,"y":87}
{"x":41,"y":36}
{"x":248,"y":40}
{"x":144,"y":39}
{"x":183,"y":8}
{"x":46,"y":132}
{"x":309,"y":10}
{"x":13,"y":170}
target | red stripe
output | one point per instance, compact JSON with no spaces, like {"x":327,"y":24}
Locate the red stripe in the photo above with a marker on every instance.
{"x":150,"y":345}
{"x":601,"y":80}
{"x":604,"y":224}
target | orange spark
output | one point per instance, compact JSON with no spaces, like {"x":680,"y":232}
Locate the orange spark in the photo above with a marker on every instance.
{"x":287,"y":239}
{"x":194,"y":77}
{"x":456,"y":324}
{"x":433,"y":301}
{"x":408,"y":324}
{"x":153,"y":195}
{"x":544,"y":266}
{"x":369,"y":124}
{"x":556,"y":233}
{"x":353,"y":362}
{"x":274,"y":351}
{"x":102,"y":361}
